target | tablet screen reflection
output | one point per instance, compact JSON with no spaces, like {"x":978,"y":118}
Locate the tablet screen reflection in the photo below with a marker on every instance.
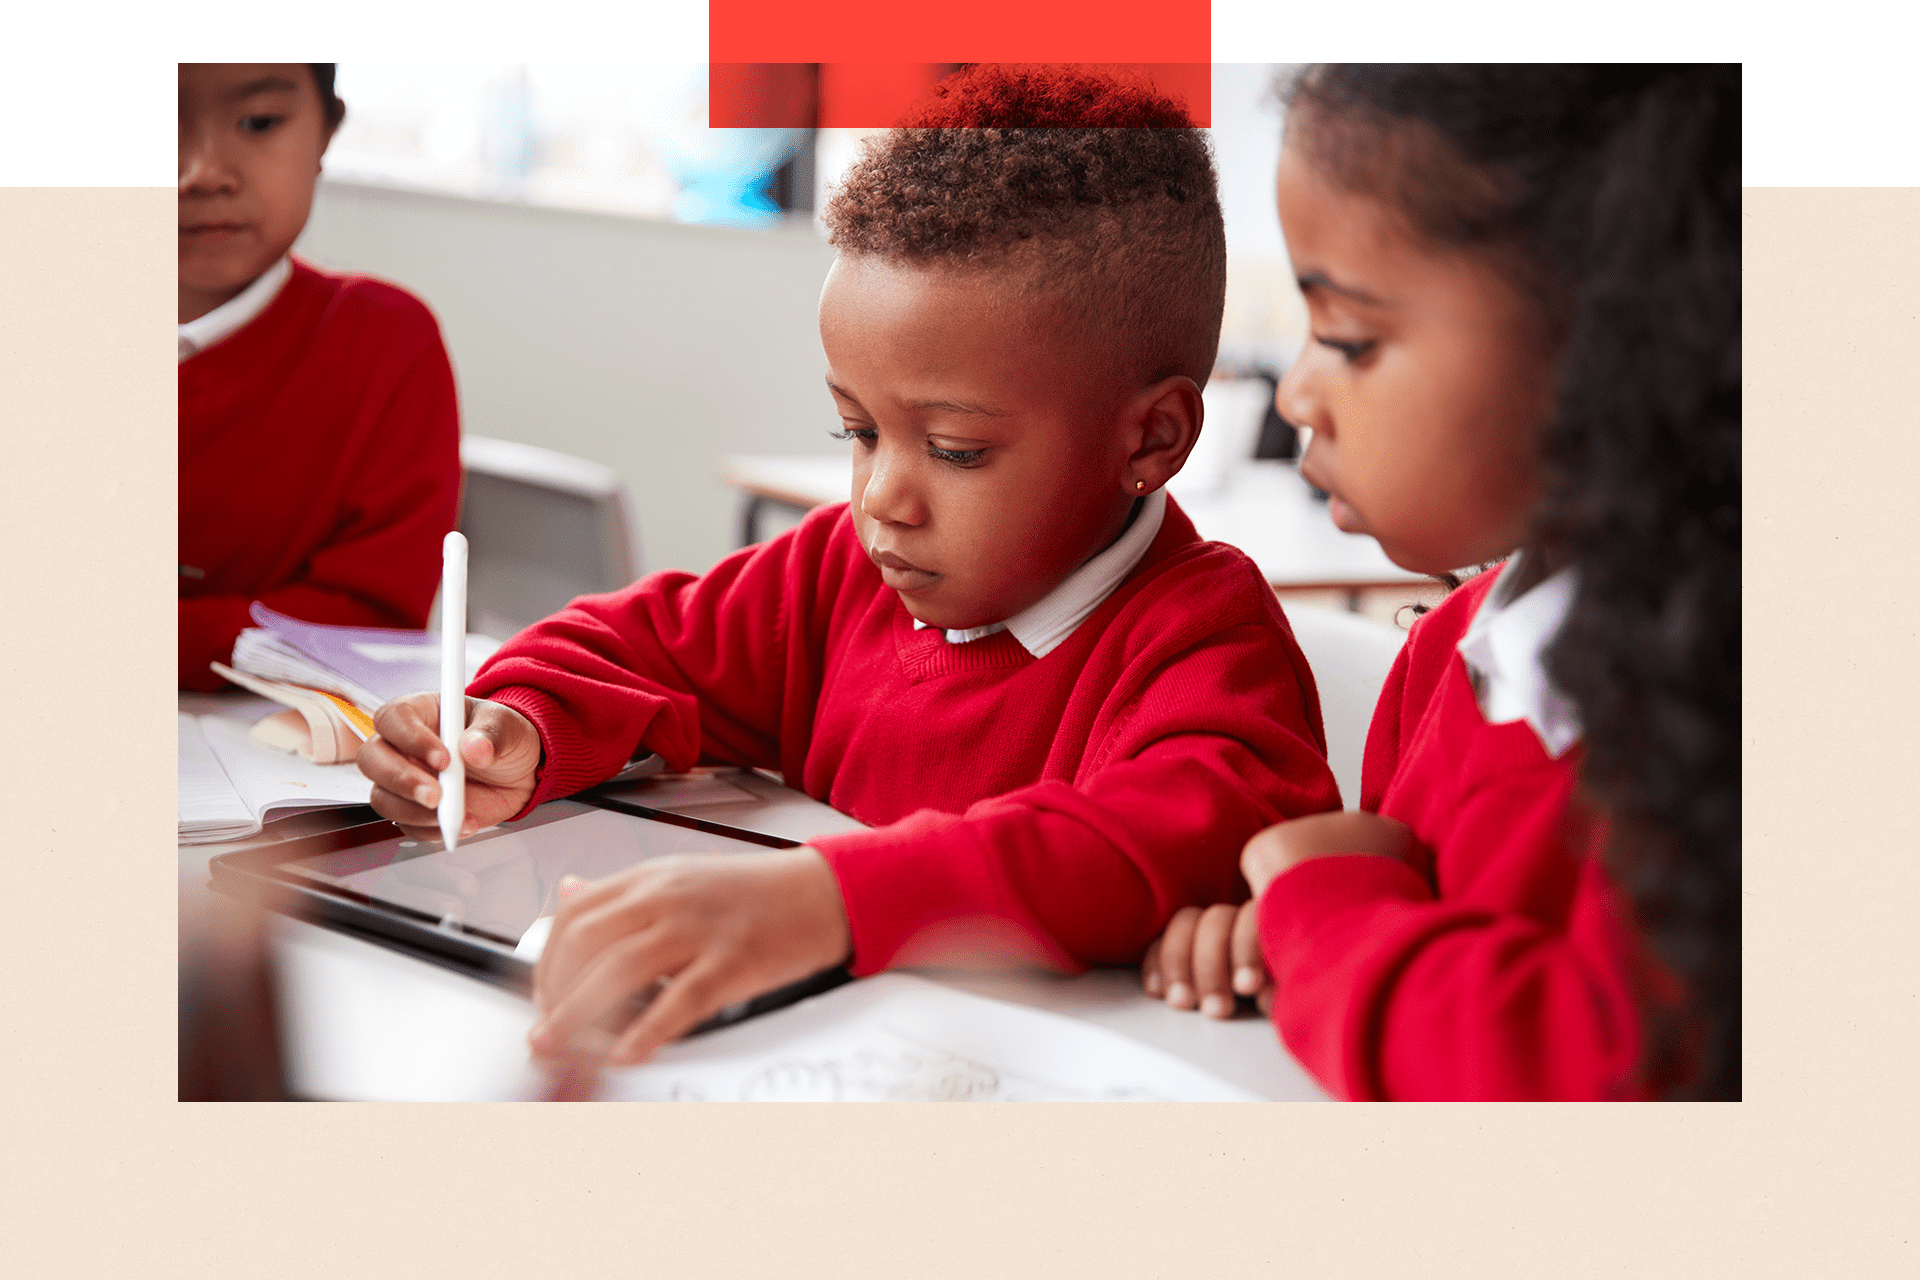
{"x":499,"y":882}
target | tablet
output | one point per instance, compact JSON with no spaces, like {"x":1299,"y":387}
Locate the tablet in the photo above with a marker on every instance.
{"x":481,"y":908}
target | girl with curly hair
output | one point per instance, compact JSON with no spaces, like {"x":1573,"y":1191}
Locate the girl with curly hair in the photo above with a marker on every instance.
{"x":1524,"y":292}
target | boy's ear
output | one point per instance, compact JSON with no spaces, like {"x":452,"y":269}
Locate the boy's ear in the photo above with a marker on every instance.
{"x":1167,"y":417}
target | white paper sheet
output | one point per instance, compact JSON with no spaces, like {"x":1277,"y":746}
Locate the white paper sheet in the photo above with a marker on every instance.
{"x":904,"y":1039}
{"x":229,"y":782}
{"x":208,"y":802}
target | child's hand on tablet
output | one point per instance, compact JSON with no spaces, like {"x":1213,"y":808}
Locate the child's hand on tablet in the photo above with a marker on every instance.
{"x":501,"y":749}
{"x":696,"y":933}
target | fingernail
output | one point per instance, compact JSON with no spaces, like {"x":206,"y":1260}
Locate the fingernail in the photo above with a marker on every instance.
{"x":1246,"y":980}
{"x":1154,"y":984}
{"x":570,"y":885}
{"x":426,"y":793}
{"x":1179,"y":996}
{"x":1216,"y":1006}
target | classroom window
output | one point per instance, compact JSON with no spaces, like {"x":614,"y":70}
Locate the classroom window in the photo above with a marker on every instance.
{"x":629,"y":139}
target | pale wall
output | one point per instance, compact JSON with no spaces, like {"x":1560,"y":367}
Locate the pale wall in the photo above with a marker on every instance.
{"x":653,"y":347}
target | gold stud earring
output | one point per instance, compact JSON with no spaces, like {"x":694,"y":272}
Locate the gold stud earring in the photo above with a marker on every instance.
{"x":1139,"y":485}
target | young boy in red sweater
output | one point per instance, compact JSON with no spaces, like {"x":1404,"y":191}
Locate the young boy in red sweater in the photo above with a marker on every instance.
{"x":319,"y":444}
{"x":1059,"y":710}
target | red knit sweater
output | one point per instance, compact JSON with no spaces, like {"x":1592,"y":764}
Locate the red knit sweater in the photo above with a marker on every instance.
{"x":1503,"y":970}
{"x":319,"y":466}
{"x":1060,"y":808}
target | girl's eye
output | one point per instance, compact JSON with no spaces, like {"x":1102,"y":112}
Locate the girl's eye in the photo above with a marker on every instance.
{"x":259,"y":124}
{"x":1353,"y":352}
{"x":868,"y":437}
{"x":959,"y":457}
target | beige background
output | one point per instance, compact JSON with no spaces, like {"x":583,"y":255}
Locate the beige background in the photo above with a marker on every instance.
{"x":105,"y":1175}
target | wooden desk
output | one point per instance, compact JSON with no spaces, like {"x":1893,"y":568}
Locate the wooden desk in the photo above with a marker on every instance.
{"x":1264,"y":508}
{"x":359,"y":1021}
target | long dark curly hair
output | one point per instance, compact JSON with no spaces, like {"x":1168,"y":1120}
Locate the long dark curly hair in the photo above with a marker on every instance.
{"x":1612,"y":194}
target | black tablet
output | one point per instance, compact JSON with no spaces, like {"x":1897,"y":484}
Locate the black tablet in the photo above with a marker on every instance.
{"x":482,"y":907}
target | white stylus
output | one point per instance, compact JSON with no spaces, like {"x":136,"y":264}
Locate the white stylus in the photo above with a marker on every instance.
{"x":453,"y":684}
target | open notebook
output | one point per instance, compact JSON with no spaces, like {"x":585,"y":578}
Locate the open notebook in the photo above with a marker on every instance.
{"x":229,"y":782}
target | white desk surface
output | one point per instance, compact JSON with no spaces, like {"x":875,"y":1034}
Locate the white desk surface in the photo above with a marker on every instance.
{"x":364,"y":1022}
{"x":1262,"y":507}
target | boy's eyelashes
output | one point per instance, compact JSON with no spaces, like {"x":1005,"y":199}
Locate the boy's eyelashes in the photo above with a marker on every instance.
{"x":960,"y":457}
{"x":259,"y":123}
{"x":870,"y":436}
{"x":1352,"y":351}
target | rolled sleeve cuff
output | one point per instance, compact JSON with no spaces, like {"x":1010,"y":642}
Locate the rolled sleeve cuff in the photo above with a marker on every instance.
{"x":564,"y":759}
{"x":1300,"y":899}
{"x":909,"y":902}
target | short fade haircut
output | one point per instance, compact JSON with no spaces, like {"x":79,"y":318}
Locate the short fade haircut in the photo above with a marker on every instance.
{"x":1100,"y":192}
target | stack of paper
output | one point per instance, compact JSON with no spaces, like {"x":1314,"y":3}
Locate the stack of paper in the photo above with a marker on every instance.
{"x":229,"y":782}
{"x":334,"y":678}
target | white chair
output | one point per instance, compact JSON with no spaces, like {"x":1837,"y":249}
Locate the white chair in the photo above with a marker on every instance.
{"x":1350,"y":656}
{"x":542,"y":527}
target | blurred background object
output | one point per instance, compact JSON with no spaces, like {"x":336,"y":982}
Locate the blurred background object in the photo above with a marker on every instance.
{"x":542,"y":527}
{"x":230,"y":1040}
{"x":1351,"y":656}
{"x":612,"y":137}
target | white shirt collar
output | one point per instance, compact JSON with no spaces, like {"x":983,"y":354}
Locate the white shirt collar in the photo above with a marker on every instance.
{"x":1044,"y":624}
{"x":197,"y":335}
{"x":1503,"y":646}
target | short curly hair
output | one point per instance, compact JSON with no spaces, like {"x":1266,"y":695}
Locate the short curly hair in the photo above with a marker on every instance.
{"x":1099,"y":192}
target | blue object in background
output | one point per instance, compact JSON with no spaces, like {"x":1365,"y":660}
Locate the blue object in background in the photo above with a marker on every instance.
{"x":723,"y":175}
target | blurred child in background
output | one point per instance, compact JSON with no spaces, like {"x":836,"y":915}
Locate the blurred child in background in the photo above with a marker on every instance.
{"x":319,"y":442}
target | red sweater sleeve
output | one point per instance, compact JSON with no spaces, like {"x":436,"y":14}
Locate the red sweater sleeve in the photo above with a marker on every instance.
{"x":369,"y":466}
{"x":1508,"y":980}
{"x":691,"y":668}
{"x":1388,"y":992}
{"x":1216,"y":745}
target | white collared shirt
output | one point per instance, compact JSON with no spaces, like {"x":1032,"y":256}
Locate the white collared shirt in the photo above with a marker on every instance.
{"x":1044,"y":624}
{"x":1503,"y":647}
{"x":197,"y":335}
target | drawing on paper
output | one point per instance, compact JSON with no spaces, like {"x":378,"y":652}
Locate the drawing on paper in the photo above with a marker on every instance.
{"x":900,"y":1069}
{"x":902,"y":1038}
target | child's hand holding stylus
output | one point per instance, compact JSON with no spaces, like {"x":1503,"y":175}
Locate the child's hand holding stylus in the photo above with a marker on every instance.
{"x":500,"y":747}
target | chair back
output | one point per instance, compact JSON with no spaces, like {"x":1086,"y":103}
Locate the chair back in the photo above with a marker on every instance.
{"x":542,"y":527}
{"x":1350,"y":656}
